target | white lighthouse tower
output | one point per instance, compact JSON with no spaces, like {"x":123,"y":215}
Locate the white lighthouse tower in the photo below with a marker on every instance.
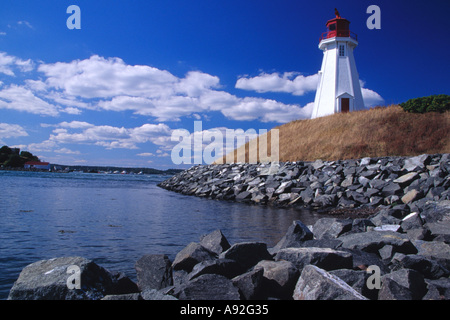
{"x":338,"y":89}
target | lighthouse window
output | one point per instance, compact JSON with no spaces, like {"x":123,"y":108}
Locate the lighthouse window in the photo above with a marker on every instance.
{"x":341,"y":50}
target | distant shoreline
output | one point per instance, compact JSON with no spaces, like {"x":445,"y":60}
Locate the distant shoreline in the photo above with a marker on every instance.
{"x":96,"y":169}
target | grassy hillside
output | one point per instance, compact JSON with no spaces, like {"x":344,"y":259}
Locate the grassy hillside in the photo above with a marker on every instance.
{"x":382,"y":131}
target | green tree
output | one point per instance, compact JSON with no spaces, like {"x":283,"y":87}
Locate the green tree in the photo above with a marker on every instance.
{"x":14,"y":161}
{"x":28,"y":156}
{"x":436,"y":103}
{"x":5,"y":150}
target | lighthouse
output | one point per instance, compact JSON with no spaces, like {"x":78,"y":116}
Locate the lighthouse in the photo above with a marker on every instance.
{"x":338,"y":89}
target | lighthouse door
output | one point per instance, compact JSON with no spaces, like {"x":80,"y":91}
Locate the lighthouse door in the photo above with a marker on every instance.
{"x":345,"y":105}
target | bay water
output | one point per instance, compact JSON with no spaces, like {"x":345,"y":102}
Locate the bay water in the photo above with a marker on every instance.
{"x":115,"y":219}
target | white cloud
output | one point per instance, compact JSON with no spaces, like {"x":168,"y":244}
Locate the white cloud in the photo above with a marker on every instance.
{"x":289,"y":82}
{"x":66,"y":151}
{"x":9,"y":63}
{"x":112,"y":85}
{"x":11,"y":131}
{"x":264,"y":110}
{"x":21,"y":99}
{"x":145,"y":154}
{"x":75,"y":125}
{"x":98,"y":77}
{"x":108,"y":136}
{"x":370,"y":97}
{"x":25,"y":23}
{"x":43,"y":146}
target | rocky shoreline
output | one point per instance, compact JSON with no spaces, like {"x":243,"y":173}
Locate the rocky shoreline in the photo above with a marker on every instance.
{"x":344,"y":184}
{"x":397,"y":250}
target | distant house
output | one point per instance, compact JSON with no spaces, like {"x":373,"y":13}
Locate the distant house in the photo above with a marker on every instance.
{"x":37,"y":165}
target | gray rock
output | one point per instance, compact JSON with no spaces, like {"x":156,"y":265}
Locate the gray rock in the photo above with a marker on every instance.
{"x":322,"y":243}
{"x":153,"y":294}
{"x":419,"y":234}
{"x":387,"y":252}
{"x":391,"y":189}
{"x":442,"y":285}
{"x":406,"y":179}
{"x":126,"y":297}
{"x":418,"y":162}
{"x":391,"y":290}
{"x":412,"y":280}
{"x":429,"y":268}
{"x":331,"y":228}
{"x":251,"y":285}
{"x":440,"y":230}
{"x":372,"y":241}
{"x":435,"y":211}
{"x":361,"y":225}
{"x":387,"y":227}
{"x":244,"y":195}
{"x":154,"y":272}
{"x":324,"y":258}
{"x":295,"y":235}
{"x":225,"y":267}
{"x":326,"y":200}
{"x":280,"y":277}
{"x":411,"y":221}
{"x":317,"y":284}
{"x":357,"y":279}
{"x":207,"y":287}
{"x":437,"y":250}
{"x":247,"y":254}
{"x":47,"y":280}
{"x":215,"y":242}
{"x":347,"y":182}
{"x":192,"y":254}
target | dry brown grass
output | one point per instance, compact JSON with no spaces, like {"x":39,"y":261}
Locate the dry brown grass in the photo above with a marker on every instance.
{"x":382,"y":131}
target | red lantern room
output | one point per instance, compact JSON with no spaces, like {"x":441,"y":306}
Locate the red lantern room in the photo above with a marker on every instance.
{"x":338,"y":27}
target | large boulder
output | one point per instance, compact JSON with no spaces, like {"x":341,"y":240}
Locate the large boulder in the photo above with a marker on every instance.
{"x":317,"y":284}
{"x":251,"y":285}
{"x":410,"y":279}
{"x":225,"y":267}
{"x":331,"y":228}
{"x":357,"y":279}
{"x":192,"y":254}
{"x":324,"y":258}
{"x":416,"y":163}
{"x":53,"y":280}
{"x":247,"y":254}
{"x":215,"y":242}
{"x":207,"y":287}
{"x":154,"y":271}
{"x":280,"y":277}
{"x":372,"y":241}
{"x":295,"y":235}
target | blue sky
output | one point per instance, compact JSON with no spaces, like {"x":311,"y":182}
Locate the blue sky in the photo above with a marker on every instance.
{"x":112,"y":92}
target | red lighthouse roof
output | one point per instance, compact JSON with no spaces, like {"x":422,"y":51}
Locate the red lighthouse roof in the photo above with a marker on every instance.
{"x":338,"y":27}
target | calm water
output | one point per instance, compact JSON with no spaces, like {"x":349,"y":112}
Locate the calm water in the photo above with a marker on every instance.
{"x":115,"y":219}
